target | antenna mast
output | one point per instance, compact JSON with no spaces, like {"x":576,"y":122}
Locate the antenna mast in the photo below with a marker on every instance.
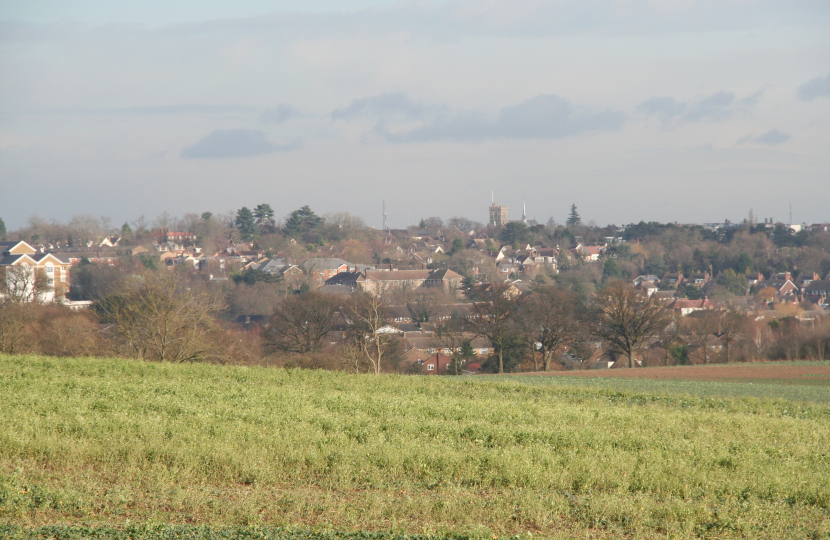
{"x":384,"y":214}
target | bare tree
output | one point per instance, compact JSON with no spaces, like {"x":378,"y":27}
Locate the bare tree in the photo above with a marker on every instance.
{"x":732,"y":325}
{"x":671,"y":334}
{"x":548,"y":320}
{"x":493,"y":314}
{"x":366,"y":313}
{"x":301,"y":322}
{"x":702,"y":325}
{"x":626,"y":319}
{"x":156,"y":317}
{"x":450,"y":335}
{"x":423,"y":304}
{"x":23,"y":283}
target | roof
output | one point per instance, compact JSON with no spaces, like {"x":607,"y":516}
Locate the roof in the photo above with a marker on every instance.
{"x":818,"y":286}
{"x":345,"y":278}
{"x":324,"y":263}
{"x":444,"y":274}
{"x":397,"y":275}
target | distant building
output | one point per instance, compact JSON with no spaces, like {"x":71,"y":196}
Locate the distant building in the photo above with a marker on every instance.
{"x":498,"y":215}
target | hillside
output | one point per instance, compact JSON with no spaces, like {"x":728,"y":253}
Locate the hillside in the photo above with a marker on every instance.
{"x":113,"y":442}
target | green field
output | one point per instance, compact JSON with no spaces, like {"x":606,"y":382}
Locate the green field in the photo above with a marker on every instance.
{"x":815,"y":389}
{"x":113,"y":443}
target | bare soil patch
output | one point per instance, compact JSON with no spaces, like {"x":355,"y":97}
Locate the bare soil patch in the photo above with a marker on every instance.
{"x":731,"y":373}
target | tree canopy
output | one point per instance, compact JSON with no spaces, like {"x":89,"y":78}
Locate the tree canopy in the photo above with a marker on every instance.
{"x":301,"y":221}
{"x":246,"y":223}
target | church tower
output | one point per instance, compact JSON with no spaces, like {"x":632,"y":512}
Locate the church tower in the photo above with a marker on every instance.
{"x":498,"y":214}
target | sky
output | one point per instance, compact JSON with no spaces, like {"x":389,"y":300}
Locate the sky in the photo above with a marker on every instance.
{"x":671,"y":110}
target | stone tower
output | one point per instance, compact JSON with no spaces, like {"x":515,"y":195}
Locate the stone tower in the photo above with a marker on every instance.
{"x":498,"y":215}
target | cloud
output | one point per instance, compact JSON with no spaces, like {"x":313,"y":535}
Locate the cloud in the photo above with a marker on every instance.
{"x":663,"y":107}
{"x":232,"y":143}
{"x":181,"y":109}
{"x":541,"y":117}
{"x":717,"y":106}
{"x":385,"y":107}
{"x":818,"y":87}
{"x":280,"y":114}
{"x":771,"y":138}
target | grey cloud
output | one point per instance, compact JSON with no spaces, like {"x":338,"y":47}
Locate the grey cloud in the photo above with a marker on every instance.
{"x":182,"y":109}
{"x":818,"y":87}
{"x":541,"y":117}
{"x":280,"y":114}
{"x":232,"y":143}
{"x":663,"y":107}
{"x":772,"y":137}
{"x":385,"y":106}
{"x":717,"y":106}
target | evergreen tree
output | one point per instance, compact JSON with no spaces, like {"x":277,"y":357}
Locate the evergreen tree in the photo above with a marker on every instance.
{"x":264,"y":215}
{"x":126,"y":231}
{"x":2,"y":230}
{"x":573,"y":218}
{"x":245,"y":223}
{"x":301,"y":221}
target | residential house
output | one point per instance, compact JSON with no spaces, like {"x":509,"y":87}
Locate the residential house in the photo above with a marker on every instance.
{"x":672,"y":280}
{"x":437,"y":364}
{"x":805,"y":279}
{"x":21,"y":263}
{"x":322,"y":268}
{"x":781,"y":282}
{"x":686,"y":307}
{"x":588,"y":253}
{"x":698,"y":279}
{"x":110,"y":241}
{"x":380,"y":281}
{"x":818,"y":291}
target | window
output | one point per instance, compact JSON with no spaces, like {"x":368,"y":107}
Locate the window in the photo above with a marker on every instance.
{"x":430,"y":367}
{"x":50,"y":269}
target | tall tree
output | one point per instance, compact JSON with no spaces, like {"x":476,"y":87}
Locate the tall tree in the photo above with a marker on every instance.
{"x":2,"y":230}
{"x":548,"y":320}
{"x":732,"y":325}
{"x":366,"y":313}
{"x":154,"y":316}
{"x":264,"y":215}
{"x":493,"y":312}
{"x":246,"y":223}
{"x":626,"y":319}
{"x":300,"y":323}
{"x":703,"y":324}
{"x":573,"y":217}
{"x":301,"y":221}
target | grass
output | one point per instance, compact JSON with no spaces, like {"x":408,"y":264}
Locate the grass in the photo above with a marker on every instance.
{"x":809,"y":388}
{"x":102,"y":442}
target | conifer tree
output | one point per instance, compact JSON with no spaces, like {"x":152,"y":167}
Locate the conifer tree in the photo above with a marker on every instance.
{"x":245,"y":223}
{"x":573,"y":218}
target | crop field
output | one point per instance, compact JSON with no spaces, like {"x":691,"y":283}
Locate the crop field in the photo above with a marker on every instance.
{"x":126,"y":449}
{"x":796,"y":381}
